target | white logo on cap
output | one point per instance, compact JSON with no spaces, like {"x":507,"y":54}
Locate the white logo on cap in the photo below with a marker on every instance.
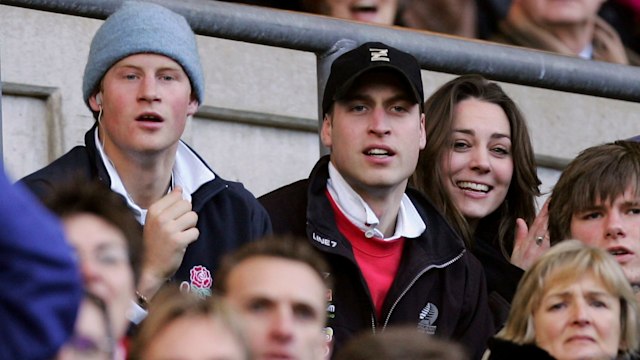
{"x":379,"y":54}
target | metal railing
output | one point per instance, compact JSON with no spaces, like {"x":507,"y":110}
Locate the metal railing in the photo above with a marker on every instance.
{"x":441,"y":53}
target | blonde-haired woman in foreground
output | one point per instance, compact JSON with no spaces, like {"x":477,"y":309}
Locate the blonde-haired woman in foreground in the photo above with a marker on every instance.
{"x":574,"y":303}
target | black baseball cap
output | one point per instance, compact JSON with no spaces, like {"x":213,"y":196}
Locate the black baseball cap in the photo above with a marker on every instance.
{"x":372,"y":55}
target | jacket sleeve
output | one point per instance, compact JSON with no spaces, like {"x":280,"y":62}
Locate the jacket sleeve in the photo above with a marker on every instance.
{"x":40,"y":285}
{"x":261,"y":221}
{"x":476,"y":325}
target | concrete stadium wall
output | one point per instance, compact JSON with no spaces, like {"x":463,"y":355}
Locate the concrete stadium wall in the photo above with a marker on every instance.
{"x":42,"y":57}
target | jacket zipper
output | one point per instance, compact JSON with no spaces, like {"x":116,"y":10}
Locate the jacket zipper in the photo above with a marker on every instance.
{"x":386,"y":321}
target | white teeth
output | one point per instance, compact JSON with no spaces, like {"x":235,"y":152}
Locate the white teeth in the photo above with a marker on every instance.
{"x":377,"y":152}
{"x":473,"y":186}
{"x":618,"y":252}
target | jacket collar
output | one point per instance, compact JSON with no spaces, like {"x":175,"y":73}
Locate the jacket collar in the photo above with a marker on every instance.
{"x":436,"y":246}
{"x":409,"y":224}
{"x":191,"y":172}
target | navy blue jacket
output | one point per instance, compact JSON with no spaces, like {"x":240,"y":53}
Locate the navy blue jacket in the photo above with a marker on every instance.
{"x":228,"y":214}
{"x":439,"y":288}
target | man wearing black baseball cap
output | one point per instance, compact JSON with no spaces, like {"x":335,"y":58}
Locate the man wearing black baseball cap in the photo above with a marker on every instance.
{"x":394,"y":259}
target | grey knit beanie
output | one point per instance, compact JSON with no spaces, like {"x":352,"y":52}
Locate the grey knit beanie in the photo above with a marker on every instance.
{"x":141,"y":27}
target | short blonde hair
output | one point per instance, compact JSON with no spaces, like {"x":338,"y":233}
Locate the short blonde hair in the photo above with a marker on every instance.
{"x":568,"y":261}
{"x":170,"y":304}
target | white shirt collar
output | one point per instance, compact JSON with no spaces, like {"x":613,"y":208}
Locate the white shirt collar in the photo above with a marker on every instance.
{"x":408,"y":225}
{"x":189,"y":172}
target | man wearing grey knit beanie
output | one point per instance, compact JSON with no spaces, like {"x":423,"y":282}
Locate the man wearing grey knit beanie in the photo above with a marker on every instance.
{"x":142,"y":81}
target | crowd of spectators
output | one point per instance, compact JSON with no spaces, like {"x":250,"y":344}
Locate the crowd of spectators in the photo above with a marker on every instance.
{"x":606,"y":30}
{"x":419,"y":224}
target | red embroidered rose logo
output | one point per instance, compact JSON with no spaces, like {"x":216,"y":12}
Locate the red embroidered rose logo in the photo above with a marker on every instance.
{"x":200,"y":277}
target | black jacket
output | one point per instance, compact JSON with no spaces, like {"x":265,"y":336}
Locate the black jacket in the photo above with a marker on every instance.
{"x":228,"y":214}
{"x":507,"y":350}
{"x":502,"y":276}
{"x":439,"y":288}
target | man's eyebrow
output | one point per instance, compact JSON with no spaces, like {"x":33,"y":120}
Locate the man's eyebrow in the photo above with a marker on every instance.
{"x":403,"y":97}
{"x":126,"y":66}
{"x":355,"y":97}
{"x":139,"y":67}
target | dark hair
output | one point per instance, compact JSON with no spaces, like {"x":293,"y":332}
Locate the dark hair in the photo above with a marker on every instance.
{"x":285,"y":247}
{"x":96,"y":198}
{"x":404,"y":342}
{"x":428,"y":177}
{"x":599,"y":173}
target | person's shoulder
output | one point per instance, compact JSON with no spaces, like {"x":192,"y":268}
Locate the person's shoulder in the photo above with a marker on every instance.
{"x":287,"y":200}
{"x":222,"y":188}
{"x":287,"y":208}
{"x":76,"y":158}
{"x":73,"y":165}
{"x":430,"y":213}
{"x":286,"y":192}
{"x":231,"y":200}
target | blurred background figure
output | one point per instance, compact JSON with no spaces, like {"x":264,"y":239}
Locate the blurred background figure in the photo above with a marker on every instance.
{"x":108,"y":244}
{"x":571,"y":28}
{"x":40,"y":285}
{"x":466,"y":18}
{"x":624,"y":16}
{"x":277,"y":287}
{"x":398,"y":343}
{"x":92,"y":337}
{"x":574,"y":303}
{"x":183,"y":326}
{"x":381,"y":12}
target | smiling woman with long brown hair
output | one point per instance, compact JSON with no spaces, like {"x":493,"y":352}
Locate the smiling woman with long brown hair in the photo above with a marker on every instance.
{"x":478,"y":169}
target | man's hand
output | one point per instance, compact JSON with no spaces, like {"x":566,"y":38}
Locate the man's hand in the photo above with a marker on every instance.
{"x":169,"y":228}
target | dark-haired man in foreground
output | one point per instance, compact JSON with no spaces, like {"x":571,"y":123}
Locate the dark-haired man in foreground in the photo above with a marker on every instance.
{"x":393,"y":258}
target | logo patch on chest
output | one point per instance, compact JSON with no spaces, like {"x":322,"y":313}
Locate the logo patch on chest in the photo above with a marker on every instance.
{"x":199,"y":283}
{"x":428,"y":317}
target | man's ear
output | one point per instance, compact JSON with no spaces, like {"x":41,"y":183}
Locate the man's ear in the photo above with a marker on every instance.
{"x":325,"y":131}
{"x":423,"y":131}
{"x":193,"y":106}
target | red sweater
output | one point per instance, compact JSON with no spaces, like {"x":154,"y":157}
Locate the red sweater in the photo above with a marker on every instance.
{"x":377,"y":259}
